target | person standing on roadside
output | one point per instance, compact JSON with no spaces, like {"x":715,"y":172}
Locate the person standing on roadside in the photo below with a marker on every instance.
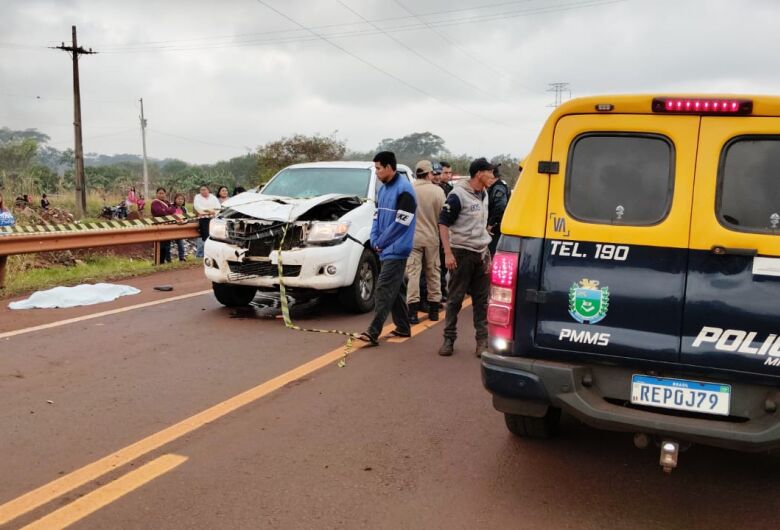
{"x":425,"y":250}
{"x":392,"y":236}
{"x":464,"y":236}
{"x":181,"y":211}
{"x":498,"y":198}
{"x":445,"y":179}
{"x":160,"y":208}
{"x":206,"y":206}
{"x":6,"y":217}
{"x":223,"y":194}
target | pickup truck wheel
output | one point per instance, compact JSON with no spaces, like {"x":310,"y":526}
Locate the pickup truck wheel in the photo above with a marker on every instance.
{"x":359,"y":297}
{"x":233,"y":295}
{"x":530,"y":427}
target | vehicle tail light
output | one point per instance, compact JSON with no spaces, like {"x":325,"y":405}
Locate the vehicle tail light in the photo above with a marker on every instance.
{"x":711,"y":106}
{"x":501,"y":305}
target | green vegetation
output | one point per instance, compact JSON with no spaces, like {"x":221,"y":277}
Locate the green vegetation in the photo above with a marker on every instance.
{"x":91,"y":269}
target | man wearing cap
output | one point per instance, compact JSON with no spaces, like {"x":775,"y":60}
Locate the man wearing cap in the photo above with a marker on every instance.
{"x":425,"y":252}
{"x":464,"y":236}
{"x":392,"y":235}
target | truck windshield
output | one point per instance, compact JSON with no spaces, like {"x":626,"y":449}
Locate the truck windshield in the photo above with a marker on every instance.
{"x":311,"y":182}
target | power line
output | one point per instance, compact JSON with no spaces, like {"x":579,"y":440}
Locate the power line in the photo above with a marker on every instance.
{"x":375,"y":67}
{"x":559,"y":89}
{"x":291,"y":38}
{"x":457,"y":46}
{"x":420,"y":55}
{"x":325,"y":26}
{"x":194,"y":139}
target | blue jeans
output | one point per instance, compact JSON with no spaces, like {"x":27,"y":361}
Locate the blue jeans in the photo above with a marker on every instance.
{"x":180,"y":248}
{"x":390,"y":298}
{"x":199,"y":250}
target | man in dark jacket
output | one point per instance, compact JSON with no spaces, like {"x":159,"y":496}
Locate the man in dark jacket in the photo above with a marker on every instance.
{"x":498,"y":198}
{"x":392,"y":236}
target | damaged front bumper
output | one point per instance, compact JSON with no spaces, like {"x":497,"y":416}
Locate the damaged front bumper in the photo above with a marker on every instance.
{"x":321,"y":268}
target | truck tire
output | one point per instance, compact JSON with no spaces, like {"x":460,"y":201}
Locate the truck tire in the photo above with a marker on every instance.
{"x":530,"y":427}
{"x":359,"y":297}
{"x":233,"y":295}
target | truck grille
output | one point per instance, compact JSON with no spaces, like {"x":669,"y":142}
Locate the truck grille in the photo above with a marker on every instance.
{"x":253,"y":269}
{"x":263,"y":237}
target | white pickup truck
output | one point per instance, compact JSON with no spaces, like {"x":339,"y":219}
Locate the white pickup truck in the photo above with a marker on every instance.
{"x":327,"y":207}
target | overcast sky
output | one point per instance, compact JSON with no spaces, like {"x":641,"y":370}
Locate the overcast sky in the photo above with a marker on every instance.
{"x":220,"y":78}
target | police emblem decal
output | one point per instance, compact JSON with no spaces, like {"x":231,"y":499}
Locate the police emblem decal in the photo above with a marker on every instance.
{"x":588,"y":304}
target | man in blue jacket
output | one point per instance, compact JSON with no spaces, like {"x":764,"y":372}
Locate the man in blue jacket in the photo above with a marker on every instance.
{"x":392,"y":235}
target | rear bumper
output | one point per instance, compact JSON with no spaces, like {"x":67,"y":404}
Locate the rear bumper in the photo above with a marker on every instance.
{"x":598,"y":396}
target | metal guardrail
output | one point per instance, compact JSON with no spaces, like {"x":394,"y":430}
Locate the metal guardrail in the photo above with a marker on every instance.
{"x":26,"y":243}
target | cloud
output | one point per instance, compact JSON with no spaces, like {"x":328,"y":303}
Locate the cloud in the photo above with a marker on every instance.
{"x":219,"y":77}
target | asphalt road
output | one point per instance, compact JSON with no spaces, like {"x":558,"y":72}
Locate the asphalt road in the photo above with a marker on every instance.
{"x":103,"y":427}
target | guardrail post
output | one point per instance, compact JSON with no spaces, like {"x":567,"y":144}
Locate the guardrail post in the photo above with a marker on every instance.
{"x":3,"y":263}
{"x":157,"y":253}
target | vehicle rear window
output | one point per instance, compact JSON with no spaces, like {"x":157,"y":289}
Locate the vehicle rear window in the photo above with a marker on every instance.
{"x":620,"y":178}
{"x":749,"y":190}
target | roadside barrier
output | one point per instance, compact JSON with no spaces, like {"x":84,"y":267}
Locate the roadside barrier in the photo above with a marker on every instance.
{"x":288,"y":323}
{"x":53,"y":237}
{"x":49,"y":228}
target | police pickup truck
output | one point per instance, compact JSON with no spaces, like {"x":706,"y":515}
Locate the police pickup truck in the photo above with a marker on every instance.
{"x":637,"y":282}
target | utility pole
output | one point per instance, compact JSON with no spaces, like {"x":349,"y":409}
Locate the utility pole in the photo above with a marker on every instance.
{"x":143,"y":141}
{"x":559,"y":89}
{"x":81,"y":188}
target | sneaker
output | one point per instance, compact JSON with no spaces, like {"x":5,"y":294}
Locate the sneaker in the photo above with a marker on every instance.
{"x":447,"y":347}
{"x":482,"y":346}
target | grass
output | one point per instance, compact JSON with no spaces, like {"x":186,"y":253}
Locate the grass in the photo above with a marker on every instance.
{"x":95,"y":202}
{"x":22,"y":279}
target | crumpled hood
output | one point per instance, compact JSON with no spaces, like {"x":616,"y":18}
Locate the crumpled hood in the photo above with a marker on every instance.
{"x":276,"y":208}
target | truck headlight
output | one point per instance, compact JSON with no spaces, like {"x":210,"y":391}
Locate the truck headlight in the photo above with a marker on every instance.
{"x":327,"y":232}
{"x":218,"y":229}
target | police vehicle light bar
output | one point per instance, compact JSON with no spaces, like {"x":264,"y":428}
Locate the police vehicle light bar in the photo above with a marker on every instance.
{"x":733,"y":107}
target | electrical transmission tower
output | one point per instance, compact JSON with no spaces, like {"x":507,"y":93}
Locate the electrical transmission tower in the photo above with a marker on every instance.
{"x":559,"y":89}
{"x":81,"y":189}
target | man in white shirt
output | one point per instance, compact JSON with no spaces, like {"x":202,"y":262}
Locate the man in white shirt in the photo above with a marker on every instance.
{"x":206,"y":206}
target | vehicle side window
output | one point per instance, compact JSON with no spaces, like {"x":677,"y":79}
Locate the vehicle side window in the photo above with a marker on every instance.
{"x":615,"y":178}
{"x":749,"y":184}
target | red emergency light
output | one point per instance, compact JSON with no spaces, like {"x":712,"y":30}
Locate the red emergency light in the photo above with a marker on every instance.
{"x":711,"y":106}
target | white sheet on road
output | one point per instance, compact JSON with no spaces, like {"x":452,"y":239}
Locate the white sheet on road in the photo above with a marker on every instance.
{"x":86,"y":294}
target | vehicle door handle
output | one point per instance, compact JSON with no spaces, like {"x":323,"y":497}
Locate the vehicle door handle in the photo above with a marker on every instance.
{"x":734,"y":251}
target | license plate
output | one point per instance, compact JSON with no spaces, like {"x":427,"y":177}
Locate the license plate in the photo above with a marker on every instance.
{"x":681,"y":394}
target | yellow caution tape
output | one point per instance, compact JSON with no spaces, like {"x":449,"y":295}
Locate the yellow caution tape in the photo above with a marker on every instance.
{"x":48,"y":228}
{"x":286,"y":309}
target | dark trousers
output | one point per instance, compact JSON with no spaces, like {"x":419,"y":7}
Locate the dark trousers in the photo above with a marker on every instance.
{"x":165,"y":251}
{"x":442,"y":273}
{"x":390,"y":297}
{"x":471,"y":275}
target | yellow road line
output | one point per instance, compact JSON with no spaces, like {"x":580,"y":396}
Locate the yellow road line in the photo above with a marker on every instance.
{"x":9,"y":334}
{"x":109,"y":493}
{"x":48,"y":492}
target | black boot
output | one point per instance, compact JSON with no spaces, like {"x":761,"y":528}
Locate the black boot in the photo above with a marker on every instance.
{"x":447,"y":347}
{"x":433,"y":311}
{"x":413,"y":313}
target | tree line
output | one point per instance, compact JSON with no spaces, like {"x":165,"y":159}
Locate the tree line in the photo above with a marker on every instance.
{"x":29,"y":165}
